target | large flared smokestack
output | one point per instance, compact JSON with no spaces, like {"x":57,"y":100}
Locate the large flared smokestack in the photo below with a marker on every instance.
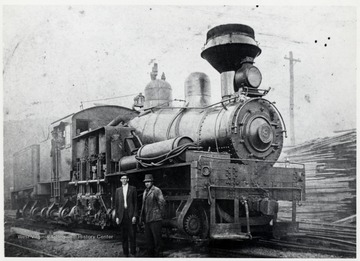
{"x":227,"y":47}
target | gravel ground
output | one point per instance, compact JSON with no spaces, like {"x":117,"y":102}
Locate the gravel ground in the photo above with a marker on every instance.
{"x":109,"y":245}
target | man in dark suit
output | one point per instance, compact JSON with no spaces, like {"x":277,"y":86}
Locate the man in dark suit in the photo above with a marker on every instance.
{"x":126,"y":214}
{"x":153,"y":204}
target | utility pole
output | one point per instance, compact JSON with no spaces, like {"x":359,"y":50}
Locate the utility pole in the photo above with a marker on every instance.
{"x":291,"y":63}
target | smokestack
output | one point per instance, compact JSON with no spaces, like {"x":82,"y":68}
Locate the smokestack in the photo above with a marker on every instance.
{"x":227,"y":47}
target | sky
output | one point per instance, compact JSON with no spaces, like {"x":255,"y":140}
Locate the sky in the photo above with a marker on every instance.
{"x":55,"y":57}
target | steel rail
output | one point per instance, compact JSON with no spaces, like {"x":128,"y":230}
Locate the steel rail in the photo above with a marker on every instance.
{"x":234,"y":253}
{"x":31,"y":250}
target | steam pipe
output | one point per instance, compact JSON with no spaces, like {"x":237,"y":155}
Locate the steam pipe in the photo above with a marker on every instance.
{"x":227,"y":84}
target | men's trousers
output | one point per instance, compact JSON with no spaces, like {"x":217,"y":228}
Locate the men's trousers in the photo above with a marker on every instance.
{"x":128,"y":231}
{"x":153,"y":238}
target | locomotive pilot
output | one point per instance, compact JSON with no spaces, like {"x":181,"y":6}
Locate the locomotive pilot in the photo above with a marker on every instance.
{"x":126,"y":214}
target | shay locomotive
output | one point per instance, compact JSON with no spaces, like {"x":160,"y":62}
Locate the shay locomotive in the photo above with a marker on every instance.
{"x":215,"y":163}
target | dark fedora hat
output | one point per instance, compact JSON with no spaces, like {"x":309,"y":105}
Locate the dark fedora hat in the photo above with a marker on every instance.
{"x":148,"y":178}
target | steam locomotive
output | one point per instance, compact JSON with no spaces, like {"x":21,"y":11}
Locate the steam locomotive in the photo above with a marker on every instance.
{"x":217,"y":164}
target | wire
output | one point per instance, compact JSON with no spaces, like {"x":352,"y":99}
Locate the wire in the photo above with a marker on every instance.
{"x":104,"y":99}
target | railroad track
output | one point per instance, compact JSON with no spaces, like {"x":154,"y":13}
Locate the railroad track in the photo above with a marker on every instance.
{"x":330,"y":239}
{"x":332,"y":242}
{"x":49,"y":227}
{"x":31,"y":250}
{"x":327,"y":246}
{"x":326,"y":239}
{"x":220,"y":252}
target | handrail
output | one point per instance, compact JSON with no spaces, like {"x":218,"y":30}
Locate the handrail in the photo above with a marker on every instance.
{"x":253,"y":160}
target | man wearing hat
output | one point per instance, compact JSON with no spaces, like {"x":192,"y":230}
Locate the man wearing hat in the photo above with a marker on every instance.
{"x":126,"y":213}
{"x":152,"y":206}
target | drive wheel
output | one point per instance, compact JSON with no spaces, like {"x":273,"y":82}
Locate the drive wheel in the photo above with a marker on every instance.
{"x":192,"y":224}
{"x":196,"y":223}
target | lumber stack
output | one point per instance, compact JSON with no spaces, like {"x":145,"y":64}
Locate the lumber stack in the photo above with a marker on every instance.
{"x":330,"y":165}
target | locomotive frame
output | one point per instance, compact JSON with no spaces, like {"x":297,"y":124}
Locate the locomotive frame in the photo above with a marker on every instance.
{"x":221,"y":179}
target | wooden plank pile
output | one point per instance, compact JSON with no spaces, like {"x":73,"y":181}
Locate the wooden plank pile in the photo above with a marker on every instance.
{"x":330,"y":165}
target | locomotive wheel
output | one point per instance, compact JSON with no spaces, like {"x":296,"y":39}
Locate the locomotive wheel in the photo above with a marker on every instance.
{"x":196,"y":223}
{"x":75,"y":214}
{"x":43,"y":212}
{"x":63,"y":213}
{"x":24,"y":211}
{"x":192,"y":224}
{"x":50,"y":213}
{"x":34,"y":212}
{"x":101,"y":216}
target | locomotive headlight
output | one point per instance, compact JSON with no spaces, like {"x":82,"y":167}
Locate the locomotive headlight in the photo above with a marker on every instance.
{"x":254,"y":77}
{"x":248,"y":75}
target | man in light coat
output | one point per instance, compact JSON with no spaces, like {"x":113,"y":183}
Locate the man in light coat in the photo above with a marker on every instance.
{"x":126,"y":214}
{"x":151,"y":213}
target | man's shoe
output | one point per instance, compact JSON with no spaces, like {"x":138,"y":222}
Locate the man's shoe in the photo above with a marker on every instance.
{"x":142,"y":253}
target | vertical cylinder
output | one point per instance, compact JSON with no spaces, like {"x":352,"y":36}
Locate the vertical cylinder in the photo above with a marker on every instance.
{"x":197,"y":90}
{"x":227,"y":84}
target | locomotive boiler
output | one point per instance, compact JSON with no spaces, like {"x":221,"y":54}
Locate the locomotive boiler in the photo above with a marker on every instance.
{"x":217,"y":164}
